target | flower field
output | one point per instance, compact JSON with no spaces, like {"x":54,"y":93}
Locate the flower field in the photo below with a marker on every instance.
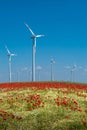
{"x":43,"y":106}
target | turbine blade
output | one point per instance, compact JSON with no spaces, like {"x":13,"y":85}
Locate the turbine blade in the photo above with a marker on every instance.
{"x":74,"y":67}
{"x":10,"y":58}
{"x":39,"y":35}
{"x":29,"y":29}
{"x":67,"y":67}
{"x":52,"y":61}
{"x":13,"y":55}
{"x":7,"y":50}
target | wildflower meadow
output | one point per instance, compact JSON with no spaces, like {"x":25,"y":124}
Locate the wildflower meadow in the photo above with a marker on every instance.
{"x":43,"y":106}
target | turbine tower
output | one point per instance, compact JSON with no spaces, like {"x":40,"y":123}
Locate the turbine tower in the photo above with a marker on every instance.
{"x":9,"y":60}
{"x":52,"y":62}
{"x":33,"y":50}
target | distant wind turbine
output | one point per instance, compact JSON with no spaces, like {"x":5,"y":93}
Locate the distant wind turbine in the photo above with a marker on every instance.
{"x":39,"y":68}
{"x":30,"y":74}
{"x":52,"y":62}
{"x":72,"y":69}
{"x":9,"y":60}
{"x":33,"y":50}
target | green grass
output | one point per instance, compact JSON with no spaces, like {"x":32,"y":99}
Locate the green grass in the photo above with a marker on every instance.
{"x":18,"y":113}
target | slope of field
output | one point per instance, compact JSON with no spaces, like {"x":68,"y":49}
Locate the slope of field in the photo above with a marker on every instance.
{"x":43,"y":106}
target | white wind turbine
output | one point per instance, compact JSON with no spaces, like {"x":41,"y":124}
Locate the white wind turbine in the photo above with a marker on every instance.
{"x":52,"y":62}
{"x":33,"y":50}
{"x":72,"y":69}
{"x":39,"y":68}
{"x":9,"y":60}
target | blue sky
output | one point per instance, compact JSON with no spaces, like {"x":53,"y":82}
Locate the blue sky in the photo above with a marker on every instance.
{"x":64,"y":24}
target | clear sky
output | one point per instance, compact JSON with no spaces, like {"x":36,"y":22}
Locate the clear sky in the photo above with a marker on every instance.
{"x":64,"y":24}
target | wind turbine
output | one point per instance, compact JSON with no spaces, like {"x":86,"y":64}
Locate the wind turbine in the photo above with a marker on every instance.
{"x":9,"y":60}
{"x":52,"y":62}
{"x":39,"y":68}
{"x":72,"y":69}
{"x":34,"y":37}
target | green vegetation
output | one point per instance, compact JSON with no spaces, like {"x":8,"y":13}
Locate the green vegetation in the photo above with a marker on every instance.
{"x":43,"y":109}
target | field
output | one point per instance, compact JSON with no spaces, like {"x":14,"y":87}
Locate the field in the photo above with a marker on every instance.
{"x":43,"y":106}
